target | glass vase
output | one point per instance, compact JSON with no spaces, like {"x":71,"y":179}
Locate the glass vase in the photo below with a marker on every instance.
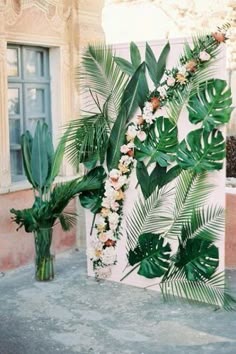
{"x":44,"y":261}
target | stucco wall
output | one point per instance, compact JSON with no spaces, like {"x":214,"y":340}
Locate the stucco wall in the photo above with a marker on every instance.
{"x":230,"y":237}
{"x":17,"y":247}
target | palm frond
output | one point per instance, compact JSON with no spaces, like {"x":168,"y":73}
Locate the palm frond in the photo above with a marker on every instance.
{"x":87,"y":139}
{"x":153,"y":215}
{"x":192,"y":190}
{"x":67,"y":220}
{"x":212,"y":291}
{"x":206,"y":224}
{"x":102,"y":75}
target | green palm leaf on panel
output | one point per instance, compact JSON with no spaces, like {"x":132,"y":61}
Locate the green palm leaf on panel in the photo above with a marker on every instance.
{"x":202,"y":151}
{"x":212,"y":291}
{"x":99,"y":72}
{"x":211,"y":106}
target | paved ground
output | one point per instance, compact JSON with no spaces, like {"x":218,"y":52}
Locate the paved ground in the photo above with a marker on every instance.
{"x":76,"y":314}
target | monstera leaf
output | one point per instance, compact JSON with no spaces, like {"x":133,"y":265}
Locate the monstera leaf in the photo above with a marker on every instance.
{"x":202,"y":151}
{"x":198,"y":258}
{"x":151,"y":254}
{"x":160,"y":146}
{"x":211,"y":105}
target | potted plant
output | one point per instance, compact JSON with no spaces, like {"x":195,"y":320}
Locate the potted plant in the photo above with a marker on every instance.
{"x":42,"y":165}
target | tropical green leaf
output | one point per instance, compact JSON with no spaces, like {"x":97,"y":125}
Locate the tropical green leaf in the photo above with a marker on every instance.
{"x":206,"y":224}
{"x":151,"y":254}
{"x":56,"y":161}
{"x":132,"y":97}
{"x":202,"y":151}
{"x":211,"y":105}
{"x":198,"y":258}
{"x":39,"y":159}
{"x":135,"y":55}
{"x":87,"y":139}
{"x":125,"y":65}
{"x":159,"y":176}
{"x":211,"y":291}
{"x":192,"y":191}
{"x":160,"y":145}
{"x":156,"y":69}
{"x":99,"y":72}
{"x":153,"y":215}
{"x":67,"y":220}
{"x":26,"y":148}
{"x":93,"y":199}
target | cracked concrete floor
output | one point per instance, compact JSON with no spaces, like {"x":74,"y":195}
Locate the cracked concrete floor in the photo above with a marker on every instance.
{"x":76,"y":314}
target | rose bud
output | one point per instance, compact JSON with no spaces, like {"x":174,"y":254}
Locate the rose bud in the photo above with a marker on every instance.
{"x":110,"y":243}
{"x":155,"y":103}
{"x":219,"y":37}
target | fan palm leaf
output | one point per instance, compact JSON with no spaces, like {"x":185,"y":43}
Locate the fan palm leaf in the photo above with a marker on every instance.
{"x":102,"y":75}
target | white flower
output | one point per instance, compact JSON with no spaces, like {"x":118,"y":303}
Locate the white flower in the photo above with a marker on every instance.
{"x":182,"y":70}
{"x":132,"y":131}
{"x":113,"y":218}
{"x":110,"y":235}
{"x":170,"y":81}
{"x":95,"y":250}
{"x":204,"y":56}
{"x":121,"y":181}
{"x":149,"y":119}
{"x":141,"y":135}
{"x":114,"y":174}
{"x":131,"y":145}
{"x":124,"y":149}
{"x":103,"y":237}
{"x":106,"y":203}
{"x":126,"y":160}
{"x":113,"y":226}
{"x":162,"y":90}
{"x":148,"y":108}
{"x":114,"y":206}
{"x":109,"y":256}
{"x":103,"y":272}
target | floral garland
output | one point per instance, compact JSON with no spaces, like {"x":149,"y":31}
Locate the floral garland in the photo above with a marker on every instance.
{"x":103,"y":246}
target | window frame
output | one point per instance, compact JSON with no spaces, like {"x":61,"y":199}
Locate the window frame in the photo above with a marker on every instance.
{"x":23,"y":83}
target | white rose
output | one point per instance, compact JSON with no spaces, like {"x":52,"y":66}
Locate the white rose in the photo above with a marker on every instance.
{"x":131,"y":145}
{"x":121,"y":181}
{"x":204,"y":56}
{"x":114,"y":206}
{"x":109,"y":256}
{"x":126,"y":160}
{"x":131,"y":132}
{"x":110,"y":235}
{"x":170,"y":81}
{"x":113,"y":218}
{"x":124,"y":149}
{"x":141,"y":135}
{"x":162,"y":91}
{"x":114,"y":173}
{"x":103,"y":237}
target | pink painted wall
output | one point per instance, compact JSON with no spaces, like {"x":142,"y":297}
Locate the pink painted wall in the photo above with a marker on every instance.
{"x":230,"y":237}
{"x":17,"y":247}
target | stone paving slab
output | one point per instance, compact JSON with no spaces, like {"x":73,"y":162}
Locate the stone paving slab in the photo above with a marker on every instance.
{"x":76,"y":314}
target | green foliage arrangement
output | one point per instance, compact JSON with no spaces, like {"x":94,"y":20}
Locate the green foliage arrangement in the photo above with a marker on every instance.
{"x":172,"y":175}
{"x":42,"y":165}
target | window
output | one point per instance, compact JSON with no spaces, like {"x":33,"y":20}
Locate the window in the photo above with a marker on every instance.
{"x":28,"y":97}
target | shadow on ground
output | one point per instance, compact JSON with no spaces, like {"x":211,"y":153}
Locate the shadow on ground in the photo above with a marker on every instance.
{"x":76,"y":314}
